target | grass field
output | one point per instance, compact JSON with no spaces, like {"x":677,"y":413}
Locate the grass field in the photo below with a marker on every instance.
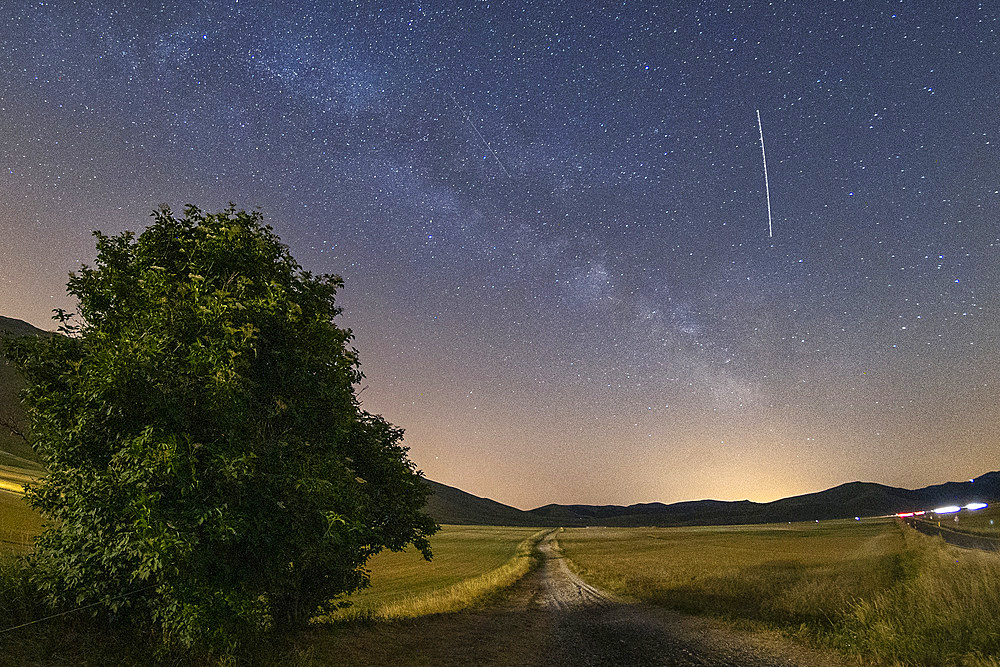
{"x":18,"y":523}
{"x":13,"y":478}
{"x":469,"y":563}
{"x":873,"y":590}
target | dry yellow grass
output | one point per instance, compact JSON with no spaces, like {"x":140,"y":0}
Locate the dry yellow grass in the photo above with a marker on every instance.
{"x":876,"y":591}
{"x":13,"y":479}
{"x":942,"y":612}
{"x":470,"y":563}
{"x":19,"y":524}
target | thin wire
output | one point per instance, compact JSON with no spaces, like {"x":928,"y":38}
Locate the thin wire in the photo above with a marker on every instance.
{"x":86,"y":606}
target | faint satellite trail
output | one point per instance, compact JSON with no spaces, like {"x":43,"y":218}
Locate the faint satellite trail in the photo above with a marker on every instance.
{"x":480,"y":134}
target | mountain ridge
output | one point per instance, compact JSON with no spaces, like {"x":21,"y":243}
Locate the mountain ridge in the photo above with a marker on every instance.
{"x":844,"y":501}
{"x":13,"y":450}
{"x":15,"y":327}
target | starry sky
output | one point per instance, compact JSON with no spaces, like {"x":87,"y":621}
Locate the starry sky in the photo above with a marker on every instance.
{"x":552,"y":220}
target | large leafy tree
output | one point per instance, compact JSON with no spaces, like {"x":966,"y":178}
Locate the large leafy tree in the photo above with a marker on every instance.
{"x":210,"y":469}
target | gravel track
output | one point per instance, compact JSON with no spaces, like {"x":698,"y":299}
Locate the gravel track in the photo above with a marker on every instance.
{"x":553,"y":586}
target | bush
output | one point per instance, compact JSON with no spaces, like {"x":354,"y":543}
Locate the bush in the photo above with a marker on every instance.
{"x":210,"y":470}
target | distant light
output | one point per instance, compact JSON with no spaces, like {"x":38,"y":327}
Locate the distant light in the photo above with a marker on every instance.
{"x":920,"y":513}
{"x":948,"y":509}
{"x":975,"y":506}
{"x":857,"y":518}
{"x":903,"y":515}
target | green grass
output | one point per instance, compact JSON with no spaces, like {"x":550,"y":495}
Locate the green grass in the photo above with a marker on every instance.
{"x":76,"y":638}
{"x":12,"y":478}
{"x":18,"y":523}
{"x":873,"y":590}
{"x":470,"y":562}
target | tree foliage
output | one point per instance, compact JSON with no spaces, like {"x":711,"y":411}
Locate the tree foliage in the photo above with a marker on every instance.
{"x":210,"y":470}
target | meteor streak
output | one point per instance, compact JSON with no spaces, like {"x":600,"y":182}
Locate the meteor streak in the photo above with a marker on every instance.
{"x":481,"y":137}
{"x":767,"y":188}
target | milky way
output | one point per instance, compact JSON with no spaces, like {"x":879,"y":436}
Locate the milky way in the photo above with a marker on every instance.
{"x":580,"y":304}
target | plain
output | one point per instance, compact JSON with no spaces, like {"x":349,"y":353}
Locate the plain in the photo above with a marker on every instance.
{"x":874,"y":590}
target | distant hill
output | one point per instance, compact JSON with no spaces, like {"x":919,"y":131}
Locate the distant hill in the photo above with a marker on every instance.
{"x":450,"y":505}
{"x":12,"y":327}
{"x":13,"y":450}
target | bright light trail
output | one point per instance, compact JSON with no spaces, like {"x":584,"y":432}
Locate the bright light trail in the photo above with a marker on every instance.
{"x":767,"y":187}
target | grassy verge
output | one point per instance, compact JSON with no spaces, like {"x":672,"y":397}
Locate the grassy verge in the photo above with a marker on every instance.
{"x":14,"y":478}
{"x":875,"y":591}
{"x":18,"y":523}
{"x":470,"y":563}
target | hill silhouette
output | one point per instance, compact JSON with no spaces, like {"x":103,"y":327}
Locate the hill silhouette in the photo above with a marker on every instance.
{"x":13,"y":327}
{"x":13,"y":450}
{"x":451,"y":505}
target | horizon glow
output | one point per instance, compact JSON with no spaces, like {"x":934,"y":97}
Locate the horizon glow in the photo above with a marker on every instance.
{"x":549,"y":220}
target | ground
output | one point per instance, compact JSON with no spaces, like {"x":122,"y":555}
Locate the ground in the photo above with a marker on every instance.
{"x":551,"y":617}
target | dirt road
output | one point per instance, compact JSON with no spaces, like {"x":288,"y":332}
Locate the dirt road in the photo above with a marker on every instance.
{"x":553,"y":586}
{"x":552,"y":617}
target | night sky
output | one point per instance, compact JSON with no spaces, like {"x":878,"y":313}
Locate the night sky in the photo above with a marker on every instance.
{"x":552,"y":220}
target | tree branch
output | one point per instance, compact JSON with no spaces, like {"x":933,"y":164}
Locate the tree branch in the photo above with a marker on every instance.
{"x":7,"y":422}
